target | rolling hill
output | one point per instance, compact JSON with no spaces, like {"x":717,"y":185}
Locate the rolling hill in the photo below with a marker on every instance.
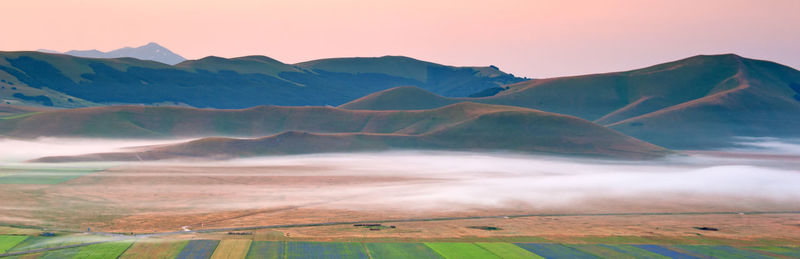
{"x":698,"y":102}
{"x":291,"y":130}
{"x":45,"y":79}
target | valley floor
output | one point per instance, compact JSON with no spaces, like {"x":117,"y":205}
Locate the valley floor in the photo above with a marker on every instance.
{"x":702,"y":200}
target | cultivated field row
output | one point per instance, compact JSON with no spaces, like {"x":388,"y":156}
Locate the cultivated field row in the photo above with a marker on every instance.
{"x":246,"y":248}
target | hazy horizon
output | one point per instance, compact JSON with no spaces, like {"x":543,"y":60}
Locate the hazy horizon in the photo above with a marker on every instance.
{"x":528,"y":38}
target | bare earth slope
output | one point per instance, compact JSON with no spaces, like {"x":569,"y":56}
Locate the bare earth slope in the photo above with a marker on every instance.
{"x":699,"y":102}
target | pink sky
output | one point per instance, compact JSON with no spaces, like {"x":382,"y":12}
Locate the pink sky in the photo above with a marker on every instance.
{"x":526,"y":37}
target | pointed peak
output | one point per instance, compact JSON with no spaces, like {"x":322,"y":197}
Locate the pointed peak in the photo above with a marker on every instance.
{"x":153,"y":44}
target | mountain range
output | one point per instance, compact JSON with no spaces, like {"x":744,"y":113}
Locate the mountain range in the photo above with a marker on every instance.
{"x":701,"y":102}
{"x":150,"y":51}
{"x":213,"y":82}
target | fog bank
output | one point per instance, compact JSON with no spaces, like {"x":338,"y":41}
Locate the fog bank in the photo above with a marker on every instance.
{"x":413,"y":181}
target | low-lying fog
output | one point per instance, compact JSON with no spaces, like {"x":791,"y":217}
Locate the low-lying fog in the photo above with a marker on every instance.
{"x":420,"y":181}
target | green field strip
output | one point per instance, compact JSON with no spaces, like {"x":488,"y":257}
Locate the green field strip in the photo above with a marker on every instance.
{"x":793,"y":252}
{"x":507,"y":250}
{"x":9,"y":241}
{"x":266,"y":250}
{"x":616,"y":251}
{"x":96,"y":251}
{"x":232,"y":249}
{"x":155,"y":249}
{"x":400,"y":250}
{"x":555,"y":251}
{"x":103,"y":250}
{"x":461,"y":250}
{"x":39,"y":242}
{"x":43,"y":176}
{"x":722,"y":251}
{"x":325,"y":250}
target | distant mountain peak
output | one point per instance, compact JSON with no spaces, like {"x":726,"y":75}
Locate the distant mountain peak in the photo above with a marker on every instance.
{"x":150,"y":51}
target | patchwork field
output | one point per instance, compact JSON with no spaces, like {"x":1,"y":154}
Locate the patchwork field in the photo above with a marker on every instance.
{"x":197,"y":245}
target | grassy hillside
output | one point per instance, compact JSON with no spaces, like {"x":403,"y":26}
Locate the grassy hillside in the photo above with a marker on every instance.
{"x":400,"y":98}
{"x":295,"y":130}
{"x":45,"y":79}
{"x":699,"y":102}
{"x":144,"y":121}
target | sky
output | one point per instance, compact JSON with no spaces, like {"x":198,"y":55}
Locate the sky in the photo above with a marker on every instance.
{"x":532,"y":38}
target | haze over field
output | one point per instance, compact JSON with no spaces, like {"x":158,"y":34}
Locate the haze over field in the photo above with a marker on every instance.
{"x":409,"y":184}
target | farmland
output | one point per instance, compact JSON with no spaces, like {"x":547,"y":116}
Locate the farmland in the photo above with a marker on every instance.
{"x":103,"y":250}
{"x":202,"y":245}
{"x":266,"y":249}
{"x":95,"y":251}
{"x":506,"y":250}
{"x":721,"y":252}
{"x":616,"y":251}
{"x":666,"y":251}
{"x":325,"y":250}
{"x":155,"y":249}
{"x":39,"y":242}
{"x":460,"y":250}
{"x":233,"y":248}
{"x":784,"y":251}
{"x":400,"y":250}
{"x":555,"y":251}
{"x":7,"y":242}
{"x":198,"y":249}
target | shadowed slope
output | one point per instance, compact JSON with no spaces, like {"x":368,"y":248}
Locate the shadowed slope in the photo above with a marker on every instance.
{"x":699,"y":102}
